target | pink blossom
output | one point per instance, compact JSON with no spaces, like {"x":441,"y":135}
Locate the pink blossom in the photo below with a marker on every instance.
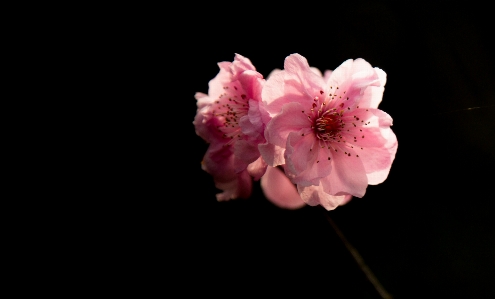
{"x":326,"y":131}
{"x":230,"y":120}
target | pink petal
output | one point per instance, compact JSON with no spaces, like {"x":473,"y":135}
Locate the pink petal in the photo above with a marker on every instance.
{"x":382,"y":75}
{"x":372,"y":137}
{"x":299,"y":155}
{"x":372,"y":96}
{"x":240,"y":65}
{"x":273,"y":73}
{"x":354,"y":77}
{"x":279,"y":190}
{"x":305,"y":160}
{"x":326,"y":76}
{"x":204,"y":125}
{"x":348,"y":175}
{"x":239,"y":186}
{"x":257,"y":169}
{"x":316,"y":71}
{"x":377,"y":161}
{"x":273,"y":90}
{"x":252,"y":82}
{"x":298,"y":82}
{"x":341,"y":74}
{"x":288,"y":120}
{"x":308,"y":80}
{"x":202,"y":99}
{"x":253,"y":124}
{"x":346,"y":199}
{"x":283,"y":88}
{"x":315,"y":195}
{"x":375,"y":143}
{"x":215,"y":86}
{"x":272,"y":154}
{"x":219,"y":162}
{"x":245,"y":153}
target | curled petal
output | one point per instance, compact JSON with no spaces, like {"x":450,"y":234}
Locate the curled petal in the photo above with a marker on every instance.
{"x":252,"y":82}
{"x":315,"y":195}
{"x":202,"y":99}
{"x":257,"y":168}
{"x":240,"y":65}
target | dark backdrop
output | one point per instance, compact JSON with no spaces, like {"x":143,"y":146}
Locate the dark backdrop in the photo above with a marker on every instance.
{"x":427,"y":231}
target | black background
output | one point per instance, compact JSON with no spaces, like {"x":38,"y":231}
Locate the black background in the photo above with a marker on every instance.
{"x":427,"y":231}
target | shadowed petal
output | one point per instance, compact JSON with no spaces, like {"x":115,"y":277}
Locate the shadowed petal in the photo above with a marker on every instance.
{"x":257,"y":168}
{"x":279,"y":190}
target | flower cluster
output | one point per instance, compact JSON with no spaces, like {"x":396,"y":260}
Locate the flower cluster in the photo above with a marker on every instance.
{"x":309,"y":137}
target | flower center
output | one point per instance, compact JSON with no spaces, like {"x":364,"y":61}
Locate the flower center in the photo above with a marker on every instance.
{"x":331,"y":126}
{"x":229,"y":108}
{"x":327,"y":125}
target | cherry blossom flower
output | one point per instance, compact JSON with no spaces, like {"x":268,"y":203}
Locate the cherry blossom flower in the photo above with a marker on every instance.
{"x":277,"y":187}
{"x":327,"y":131}
{"x":230,"y":120}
